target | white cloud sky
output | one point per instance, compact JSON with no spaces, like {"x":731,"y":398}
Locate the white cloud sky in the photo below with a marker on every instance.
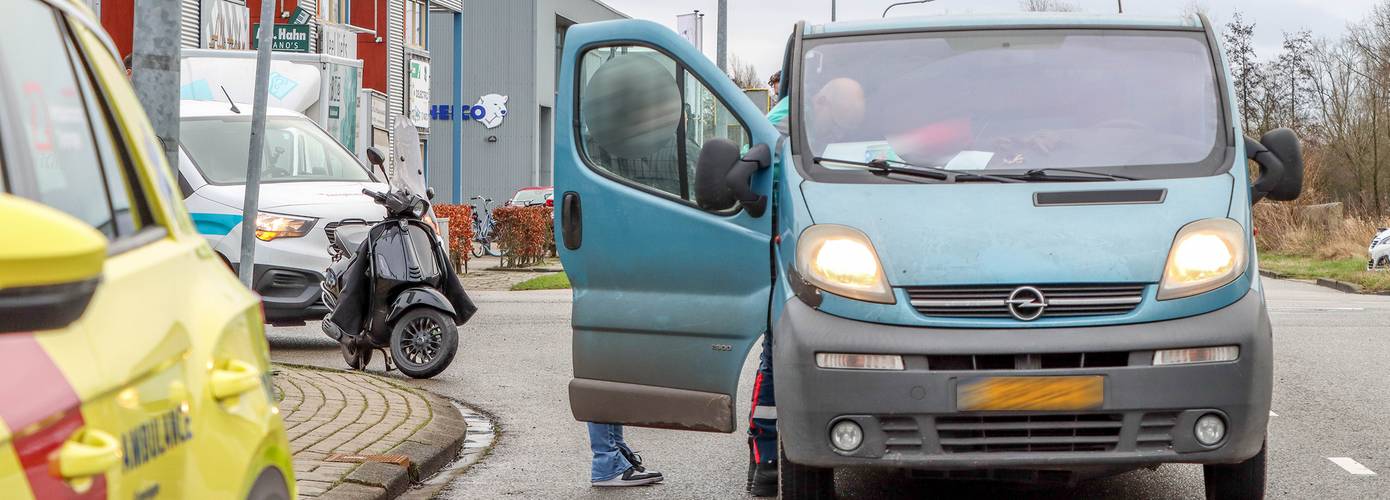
{"x":758,"y":29}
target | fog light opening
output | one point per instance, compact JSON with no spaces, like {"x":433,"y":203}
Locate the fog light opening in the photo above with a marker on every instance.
{"x":859,"y":361}
{"x":846,"y":435}
{"x":1210,"y":429}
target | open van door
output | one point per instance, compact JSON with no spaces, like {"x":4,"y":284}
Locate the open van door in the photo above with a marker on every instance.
{"x":671,"y":276}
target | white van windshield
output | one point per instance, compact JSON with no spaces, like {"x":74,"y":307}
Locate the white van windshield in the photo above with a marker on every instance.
{"x":1140,"y":103}
{"x":295,"y":150}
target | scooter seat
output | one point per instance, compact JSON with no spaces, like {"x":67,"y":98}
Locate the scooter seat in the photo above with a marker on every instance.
{"x":350,"y":237}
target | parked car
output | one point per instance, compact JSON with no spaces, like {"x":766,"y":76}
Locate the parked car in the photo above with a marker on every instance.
{"x":537,"y":195}
{"x":1013,"y":246}
{"x":132,"y":364}
{"x":1379,"y":250}
{"x":309,"y":184}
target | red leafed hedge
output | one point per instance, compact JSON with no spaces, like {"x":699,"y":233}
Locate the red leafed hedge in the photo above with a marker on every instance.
{"x":524,"y":234}
{"x":460,"y":232}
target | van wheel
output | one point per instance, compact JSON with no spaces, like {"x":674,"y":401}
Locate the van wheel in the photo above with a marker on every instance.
{"x":1245,"y":480}
{"x":270,"y":485}
{"x":803,"y":482}
{"x":423,"y":342}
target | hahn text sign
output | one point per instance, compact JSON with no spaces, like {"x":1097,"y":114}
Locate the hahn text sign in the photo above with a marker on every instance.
{"x":285,"y":38}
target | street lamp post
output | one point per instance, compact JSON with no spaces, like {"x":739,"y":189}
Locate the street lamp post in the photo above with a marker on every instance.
{"x":832,"y":11}
{"x":885,"y":11}
{"x":251,"y":201}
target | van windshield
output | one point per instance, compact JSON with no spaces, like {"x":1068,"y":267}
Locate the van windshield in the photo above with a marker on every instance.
{"x":295,"y":150}
{"x":1141,"y":103}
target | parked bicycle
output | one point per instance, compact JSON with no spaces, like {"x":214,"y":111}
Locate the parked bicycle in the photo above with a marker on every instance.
{"x":486,"y":232}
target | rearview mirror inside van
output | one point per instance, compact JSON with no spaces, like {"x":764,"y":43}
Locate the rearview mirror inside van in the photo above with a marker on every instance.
{"x":1280,"y":157}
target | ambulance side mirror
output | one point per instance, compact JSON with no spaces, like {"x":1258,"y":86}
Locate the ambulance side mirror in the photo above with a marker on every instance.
{"x":49,"y":268}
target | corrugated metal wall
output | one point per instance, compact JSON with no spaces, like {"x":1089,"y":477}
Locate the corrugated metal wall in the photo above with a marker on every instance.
{"x":190,"y":24}
{"x":312,"y":6}
{"x":499,"y":47}
{"x":395,"y":62}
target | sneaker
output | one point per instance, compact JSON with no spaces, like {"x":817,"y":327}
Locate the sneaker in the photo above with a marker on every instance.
{"x":763,"y":479}
{"x":633,"y":476}
{"x":632,"y":458}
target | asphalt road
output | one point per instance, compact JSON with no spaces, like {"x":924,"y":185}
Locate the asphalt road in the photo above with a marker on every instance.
{"x":1331,"y":395}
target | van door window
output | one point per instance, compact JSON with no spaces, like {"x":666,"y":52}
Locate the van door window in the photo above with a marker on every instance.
{"x":74,"y":165}
{"x":657,"y":146}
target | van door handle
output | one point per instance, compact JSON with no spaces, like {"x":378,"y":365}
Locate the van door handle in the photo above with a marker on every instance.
{"x":571,"y":221}
{"x":88,"y":452}
{"x":234,"y":379}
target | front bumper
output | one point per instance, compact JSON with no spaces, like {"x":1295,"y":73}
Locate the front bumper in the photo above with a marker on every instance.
{"x":289,"y":295}
{"x":910,"y":418}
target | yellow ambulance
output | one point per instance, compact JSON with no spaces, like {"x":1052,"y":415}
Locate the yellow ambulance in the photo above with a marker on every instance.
{"x":132,"y":364}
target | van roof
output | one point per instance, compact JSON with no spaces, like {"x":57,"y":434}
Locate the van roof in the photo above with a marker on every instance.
{"x":191,"y":108}
{"x":1006,"y":20}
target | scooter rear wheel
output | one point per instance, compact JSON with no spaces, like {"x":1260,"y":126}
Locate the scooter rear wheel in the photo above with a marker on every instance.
{"x":423,"y":342}
{"x":357,"y":357}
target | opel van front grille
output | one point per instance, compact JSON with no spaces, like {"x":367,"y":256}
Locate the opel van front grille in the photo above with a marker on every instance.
{"x":992,"y":301}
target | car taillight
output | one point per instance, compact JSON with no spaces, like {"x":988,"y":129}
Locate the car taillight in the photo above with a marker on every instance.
{"x":550,"y":202}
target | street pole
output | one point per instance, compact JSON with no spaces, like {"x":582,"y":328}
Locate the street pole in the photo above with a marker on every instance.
{"x":155,"y":68}
{"x":721,"y":51}
{"x":1121,"y":4}
{"x":832,"y":11}
{"x":250,"y":205}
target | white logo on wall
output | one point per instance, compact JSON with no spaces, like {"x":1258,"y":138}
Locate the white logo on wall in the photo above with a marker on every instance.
{"x":494,"y":108}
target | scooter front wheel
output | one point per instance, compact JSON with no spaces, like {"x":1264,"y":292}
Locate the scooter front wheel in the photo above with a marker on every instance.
{"x":357,"y":357}
{"x":423,"y":342}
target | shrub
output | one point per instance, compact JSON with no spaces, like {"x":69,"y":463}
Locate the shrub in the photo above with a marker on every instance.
{"x":460,"y":232}
{"x":524,"y":234}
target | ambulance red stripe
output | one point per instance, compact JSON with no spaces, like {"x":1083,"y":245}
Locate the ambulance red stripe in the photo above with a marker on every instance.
{"x":42,"y":411}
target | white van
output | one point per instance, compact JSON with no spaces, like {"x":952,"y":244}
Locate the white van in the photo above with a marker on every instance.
{"x":309,"y":184}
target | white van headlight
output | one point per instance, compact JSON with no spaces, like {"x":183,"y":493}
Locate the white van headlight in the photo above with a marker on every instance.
{"x":271,"y":226}
{"x":842,"y":261}
{"x":1206,"y":254}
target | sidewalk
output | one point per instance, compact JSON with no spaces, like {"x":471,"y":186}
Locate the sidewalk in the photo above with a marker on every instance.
{"x":360,"y":436}
{"x":484,"y":275}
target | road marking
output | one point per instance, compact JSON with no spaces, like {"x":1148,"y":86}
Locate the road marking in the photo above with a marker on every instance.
{"x":1272,"y":414}
{"x":1352,"y":466}
{"x":1318,"y":309}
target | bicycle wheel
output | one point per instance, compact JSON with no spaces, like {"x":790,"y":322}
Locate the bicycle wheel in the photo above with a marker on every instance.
{"x":477,"y":247}
{"x":494,"y":247}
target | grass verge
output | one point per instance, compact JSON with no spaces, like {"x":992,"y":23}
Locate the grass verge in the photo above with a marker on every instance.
{"x":557,"y":281}
{"x":1351,"y":270}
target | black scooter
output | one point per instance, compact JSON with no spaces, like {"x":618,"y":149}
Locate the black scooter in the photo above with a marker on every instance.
{"x":391,"y":286}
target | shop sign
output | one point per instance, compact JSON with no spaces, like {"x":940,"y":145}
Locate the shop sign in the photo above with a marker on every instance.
{"x":225,"y":25}
{"x":418,"y":104}
{"x":337,"y":41}
{"x":301,"y":16}
{"x":285,"y":38}
{"x":490,"y":110}
{"x":378,"y":111}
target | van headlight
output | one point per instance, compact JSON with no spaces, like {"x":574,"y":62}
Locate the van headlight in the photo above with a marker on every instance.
{"x":271,"y":226}
{"x":840,"y":260}
{"x":1206,"y":254}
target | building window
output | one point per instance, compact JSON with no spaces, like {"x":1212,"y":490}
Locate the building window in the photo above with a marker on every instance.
{"x":335,"y":11}
{"x":416,"y":22}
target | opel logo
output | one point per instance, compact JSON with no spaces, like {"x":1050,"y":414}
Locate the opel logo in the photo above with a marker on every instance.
{"x":1027,"y":303}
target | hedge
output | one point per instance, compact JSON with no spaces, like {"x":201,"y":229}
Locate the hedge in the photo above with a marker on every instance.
{"x":524,"y":234}
{"x":460,"y":232}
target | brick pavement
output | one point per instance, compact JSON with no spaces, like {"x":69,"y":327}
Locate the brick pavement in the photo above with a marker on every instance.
{"x":355,"y":413}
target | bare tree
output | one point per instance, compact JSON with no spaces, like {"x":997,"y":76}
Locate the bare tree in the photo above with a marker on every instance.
{"x":1245,"y":68}
{"x":744,"y":74}
{"x":1047,"y":6}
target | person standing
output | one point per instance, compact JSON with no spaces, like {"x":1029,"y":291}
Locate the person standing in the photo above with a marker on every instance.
{"x":615,"y":464}
{"x":762,"y":419}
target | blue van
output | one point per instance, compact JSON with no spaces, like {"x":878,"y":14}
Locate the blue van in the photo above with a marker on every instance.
{"x":985,"y":247}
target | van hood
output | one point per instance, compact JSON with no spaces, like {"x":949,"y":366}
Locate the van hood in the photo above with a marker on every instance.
{"x":333,"y":200}
{"x":993,"y":234}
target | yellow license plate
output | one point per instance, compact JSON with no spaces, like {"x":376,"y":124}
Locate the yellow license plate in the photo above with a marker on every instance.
{"x":1030,"y":393}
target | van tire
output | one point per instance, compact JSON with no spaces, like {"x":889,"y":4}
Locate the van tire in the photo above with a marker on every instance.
{"x":803,"y":482}
{"x":270,"y":485}
{"x":1245,"y":480}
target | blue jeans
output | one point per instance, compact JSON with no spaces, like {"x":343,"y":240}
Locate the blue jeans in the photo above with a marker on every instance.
{"x":606,"y":441}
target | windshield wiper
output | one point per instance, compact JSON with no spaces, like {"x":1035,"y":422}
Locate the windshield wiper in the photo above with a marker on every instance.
{"x":1042,"y":174}
{"x":897,"y":167}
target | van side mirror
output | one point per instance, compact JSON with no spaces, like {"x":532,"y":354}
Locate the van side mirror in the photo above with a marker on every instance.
{"x":1280,"y":157}
{"x":45,"y":286}
{"x":722,"y":177}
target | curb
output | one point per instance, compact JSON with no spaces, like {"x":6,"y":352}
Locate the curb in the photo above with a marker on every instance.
{"x":1337,"y":285}
{"x":1273,"y":274}
{"x":429,"y":449}
{"x":527,"y":269}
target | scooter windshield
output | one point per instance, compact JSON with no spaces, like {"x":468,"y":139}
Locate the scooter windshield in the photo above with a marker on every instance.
{"x":408,"y":168}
